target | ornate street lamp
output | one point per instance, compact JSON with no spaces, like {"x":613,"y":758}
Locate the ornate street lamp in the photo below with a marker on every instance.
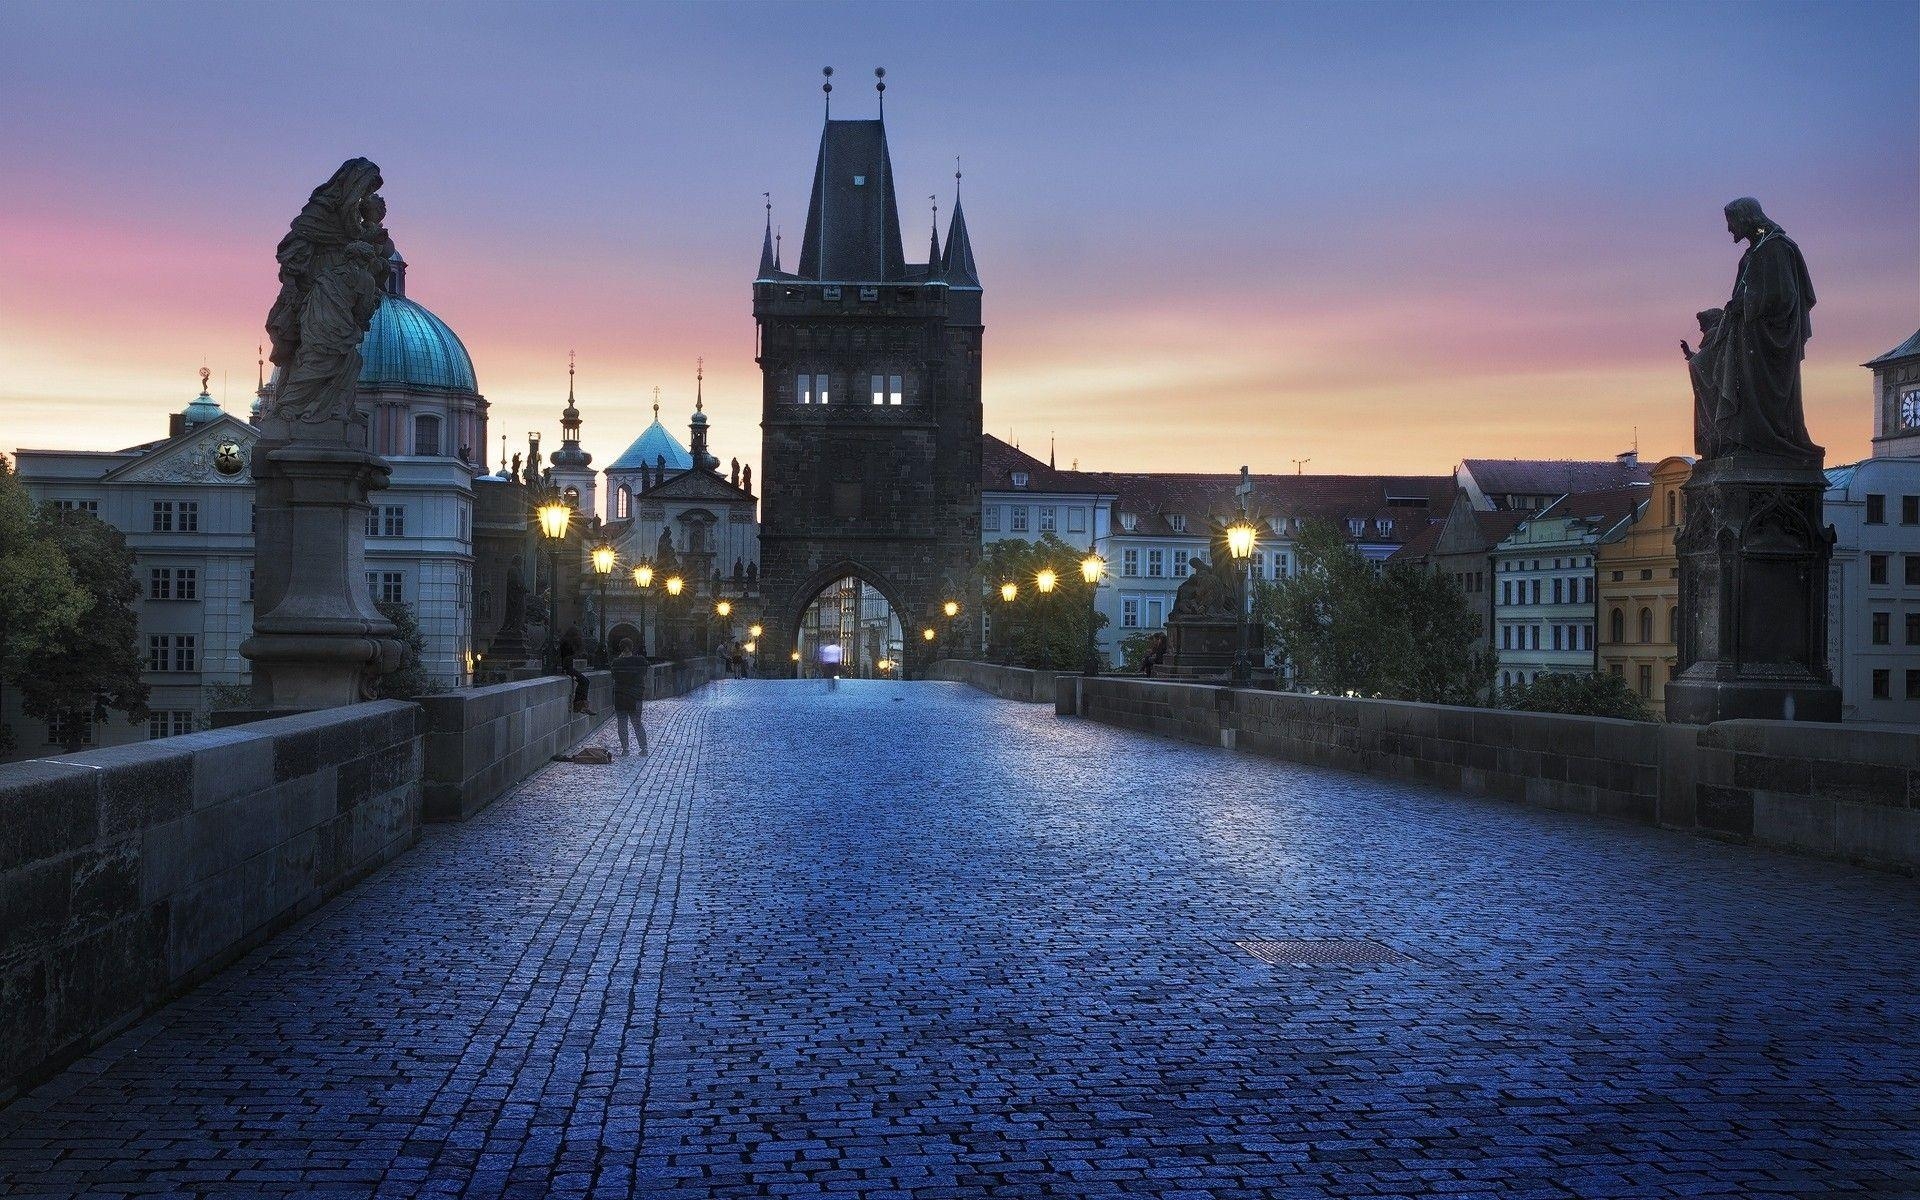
{"x":1092,"y":567}
{"x":1009,"y":592}
{"x":928,"y":634}
{"x":1241,"y":538}
{"x":643,"y":579}
{"x":604,"y":557}
{"x":675,"y":584}
{"x":952,"y":609}
{"x":754,"y":632}
{"x":554,"y":515}
{"x":1045,"y":581}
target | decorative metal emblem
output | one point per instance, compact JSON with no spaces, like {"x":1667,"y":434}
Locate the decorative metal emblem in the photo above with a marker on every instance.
{"x":228,"y":459}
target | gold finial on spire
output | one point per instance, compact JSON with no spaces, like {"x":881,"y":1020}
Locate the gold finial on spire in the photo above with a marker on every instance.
{"x":569,"y":377}
{"x":880,"y":85}
{"x":262,"y":350}
{"x":827,"y":87}
{"x":699,"y":383}
{"x":656,"y":402}
{"x":205,"y":374}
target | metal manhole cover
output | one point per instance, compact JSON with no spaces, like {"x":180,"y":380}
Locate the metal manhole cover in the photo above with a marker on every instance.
{"x":1302,"y":952}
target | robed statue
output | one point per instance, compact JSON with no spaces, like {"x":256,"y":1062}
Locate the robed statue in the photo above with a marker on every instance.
{"x":1746,"y":373}
{"x":1207,"y":593}
{"x":333,"y":271}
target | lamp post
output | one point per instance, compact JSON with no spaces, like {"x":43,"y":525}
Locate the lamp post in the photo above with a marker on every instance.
{"x":1009,"y":592}
{"x":722,"y":608}
{"x":675,"y":585}
{"x":1241,"y":537}
{"x":1092,"y":567}
{"x":952,"y":609}
{"x":643,"y":579}
{"x":603,"y":560}
{"x":1045,"y":580}
{"x":555,"y":514}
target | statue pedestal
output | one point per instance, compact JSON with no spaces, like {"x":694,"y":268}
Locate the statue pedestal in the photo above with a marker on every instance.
{"x":1201,"y":647}
{"x":1753,"y":550}
{"x":318,"y":641}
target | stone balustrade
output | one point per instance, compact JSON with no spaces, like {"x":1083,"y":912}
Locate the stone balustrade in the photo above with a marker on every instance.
{"x":1008,"y":683}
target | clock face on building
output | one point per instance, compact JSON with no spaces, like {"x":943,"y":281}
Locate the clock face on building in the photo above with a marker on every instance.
{"x":1910,"y":409}
{"x":228,"y":459}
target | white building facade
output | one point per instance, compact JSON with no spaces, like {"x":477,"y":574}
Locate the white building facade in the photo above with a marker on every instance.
{"x":1544,"y":611}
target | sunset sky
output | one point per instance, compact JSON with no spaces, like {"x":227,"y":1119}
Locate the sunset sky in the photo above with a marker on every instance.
{"x":1382,"y":238}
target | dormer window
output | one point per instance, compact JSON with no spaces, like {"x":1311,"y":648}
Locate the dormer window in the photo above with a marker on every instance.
{"x":1177,"y":523}
{"x":1020,"y":479}
{"x":1356,"y":526}
{"x":1384,"y":525}
{"x":1128,"y":521}
{"x":1277,"y":524}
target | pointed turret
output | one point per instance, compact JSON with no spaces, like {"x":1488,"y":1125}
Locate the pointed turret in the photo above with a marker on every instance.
{"x":853,"y":222}
{"x":957,"y":264}
{"x":769,"y":263}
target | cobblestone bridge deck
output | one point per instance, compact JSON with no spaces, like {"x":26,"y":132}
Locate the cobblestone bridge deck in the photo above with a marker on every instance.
{"x":905,"y":940}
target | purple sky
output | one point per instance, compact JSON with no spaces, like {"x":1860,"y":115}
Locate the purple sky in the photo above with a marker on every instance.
{"x":1379,"y":237}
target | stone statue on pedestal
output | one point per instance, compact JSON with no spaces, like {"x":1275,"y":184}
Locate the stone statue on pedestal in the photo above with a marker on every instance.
{"x":1753,"y":544}
{"x":1203,"y":629}
{"x":318,"y":641}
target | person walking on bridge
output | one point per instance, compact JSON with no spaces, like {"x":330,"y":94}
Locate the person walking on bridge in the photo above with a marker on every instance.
{"x":629,"y":693}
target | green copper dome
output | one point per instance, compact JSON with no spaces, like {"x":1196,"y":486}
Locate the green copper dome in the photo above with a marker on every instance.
{"x":407,"y":346}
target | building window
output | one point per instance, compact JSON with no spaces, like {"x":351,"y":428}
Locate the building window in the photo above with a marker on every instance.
{"x":990,"y":518}
{"x":1882,"y":628}
{"x":1506,"y":591}
{"x":70,"y":729}
{"x":249,"y":585}
{"x":1673,"y":625}
{"x":90,"y":507}
{"x":622,"y":503}
{"x":172,"y":652}
{"x":1259,"y":564}
{"x":810,"y":389}
{"x":1180,"y":564}
{"x":1017,"y":518}
{"x":1910,"y":510}
{"x":1913,"y":685}
{"x":173,"y":583}
{"x":1646,"y":679}
{"x":1913,"y":629}
{"x":387,"y":520}
{"x":1130,"y":613}
{"x":1506,"y":638}
{"x":1049,"y":519}
{"x":1356,"y":526}
{"x":1280,"y":566}
{"x":1533,"y":637}
{"x":1876,"y":568}
{"x":1883,"y":684}
{"x":1646,"y":625}
{"x":886,"y":389}
{"x":1535,"y":590}
{"x":1556,"y":592}
{"x":169,"y":722}
{"x":1556,"y":638}
{"x":1913,"y":569}
{"x":1130,"y":562}
{"x":1076,"y":520}
{"x":387,"y":586}
{"x":1156,"y":563}
{"x":426,"y":434}
{"x":1876,"y":510}
{"x":1177,"y":522}
{"x":171,"y":516}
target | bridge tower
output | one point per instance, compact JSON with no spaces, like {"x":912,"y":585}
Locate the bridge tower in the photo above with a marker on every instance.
{"x":870,"y":403}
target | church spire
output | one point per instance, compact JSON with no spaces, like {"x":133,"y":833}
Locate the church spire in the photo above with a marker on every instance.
{"x":570,"y":454}
{"x":933,"y":243}
{"x":957,"y":264}
{"x":702,"y":460}
{"x":769,"y":265}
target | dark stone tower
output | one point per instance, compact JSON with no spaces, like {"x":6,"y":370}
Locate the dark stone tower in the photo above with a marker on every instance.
{"x":870,"y":420}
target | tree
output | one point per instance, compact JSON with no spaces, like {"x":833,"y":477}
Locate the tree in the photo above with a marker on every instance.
{"x":409,"y":680}
{"x":1400,"y":632}
{"x":1447,"y":660}
{"x":1595,"y":695}
{"x":42,"y":601}
{"x":1044,"y":631}
{"x":1134,"y":647}
{"x":95,"y":665}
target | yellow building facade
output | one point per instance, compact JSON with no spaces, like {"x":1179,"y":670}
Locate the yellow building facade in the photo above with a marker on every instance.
{"x":1638,"y":590}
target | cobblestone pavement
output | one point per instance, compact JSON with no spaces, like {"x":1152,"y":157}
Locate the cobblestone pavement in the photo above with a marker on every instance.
{"x":905,"y":940}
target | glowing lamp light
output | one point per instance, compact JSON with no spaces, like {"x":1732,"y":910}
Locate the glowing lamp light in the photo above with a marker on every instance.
{"x":794,"y":655}
{"x":1008,"y":591}
{"x":724,"y":608}
{"x":1240,"y":540}
{"x":1045,"y":580}
{"x":1092,"y":567}
{"x":951,"y":608}
{"x":754,"y":631}
{"x":674,"y":584}
{"x":748,"y":647}
{"x":643,"y":576}
{"x":603,"y":559}
{"x":885,"y":664}
{"x":554,"y":515}
{"x":927,"y":634}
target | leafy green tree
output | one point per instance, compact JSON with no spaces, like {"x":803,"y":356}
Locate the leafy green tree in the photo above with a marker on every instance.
{"x":1134,"y":647}
{"x":1048,"y":632}
{"x":1400,"y":632}
{"x":95,"y":665}
{"x":1447,"y":661}
{"x":1597,"y":695}
{"x":410,"y":679}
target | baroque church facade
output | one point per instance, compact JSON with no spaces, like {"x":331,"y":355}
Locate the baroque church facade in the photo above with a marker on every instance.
{"x":870,"y":401}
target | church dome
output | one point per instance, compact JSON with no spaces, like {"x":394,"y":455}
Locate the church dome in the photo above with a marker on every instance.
{"x":654,"y":444}
{"x":407,"y":346}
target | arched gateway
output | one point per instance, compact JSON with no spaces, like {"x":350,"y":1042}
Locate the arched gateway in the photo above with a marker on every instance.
{"x":870,"y":406}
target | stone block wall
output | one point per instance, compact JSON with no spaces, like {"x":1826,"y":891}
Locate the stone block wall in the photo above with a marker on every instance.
{"x":128,"y":874}
{"x":1840,"y":791}
{"x":1008,"y":683}
{"x":482,"y":741}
